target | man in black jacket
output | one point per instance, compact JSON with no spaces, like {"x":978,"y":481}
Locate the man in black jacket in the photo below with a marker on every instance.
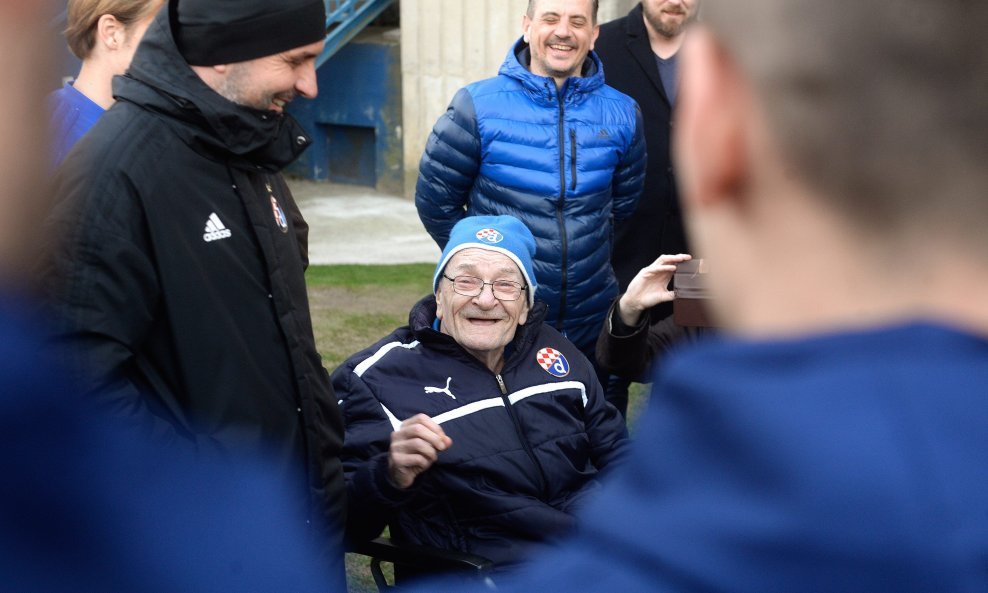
{"x":628,"y":345}
{"x":477,"y":427}
{"x":640,"y":56}
{"x":178,"y":281}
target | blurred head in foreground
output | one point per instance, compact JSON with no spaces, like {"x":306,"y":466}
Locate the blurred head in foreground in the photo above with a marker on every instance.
{"x":26,"y":60}
{"x":832,"y":157}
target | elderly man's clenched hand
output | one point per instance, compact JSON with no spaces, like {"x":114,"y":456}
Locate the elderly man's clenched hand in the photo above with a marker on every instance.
{"x":415,"y":446}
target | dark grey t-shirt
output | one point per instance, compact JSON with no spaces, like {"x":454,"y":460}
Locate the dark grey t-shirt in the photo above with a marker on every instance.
{"x":668,"y":72}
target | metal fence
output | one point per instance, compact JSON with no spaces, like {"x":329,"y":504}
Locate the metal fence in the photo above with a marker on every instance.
{"x":346,"y":18}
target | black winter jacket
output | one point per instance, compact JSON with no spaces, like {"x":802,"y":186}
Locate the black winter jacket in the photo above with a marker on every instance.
{"x":635,"y":353}
{"x":528,"y":444}
{"x":656,"y":227}
{"x":179,"y":278}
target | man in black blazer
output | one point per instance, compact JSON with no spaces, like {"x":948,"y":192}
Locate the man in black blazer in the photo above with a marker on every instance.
{"x":639,"y":52}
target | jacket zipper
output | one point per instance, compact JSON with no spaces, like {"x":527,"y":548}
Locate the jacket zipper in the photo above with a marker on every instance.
{"x":543,"y":481}
{"x":572,"y":154}
{"x":559,"y":214}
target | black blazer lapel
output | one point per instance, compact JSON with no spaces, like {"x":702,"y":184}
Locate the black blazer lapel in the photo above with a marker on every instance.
{"x":640,"y":48}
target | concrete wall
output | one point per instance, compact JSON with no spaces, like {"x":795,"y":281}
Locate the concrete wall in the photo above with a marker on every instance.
{"x":355,"y":122}
{"x":446,"y":44}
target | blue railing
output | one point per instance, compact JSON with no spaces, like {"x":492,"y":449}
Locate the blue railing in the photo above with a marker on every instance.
{"x":346,"y":18}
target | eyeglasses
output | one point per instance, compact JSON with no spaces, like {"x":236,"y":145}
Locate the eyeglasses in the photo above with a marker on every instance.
{"x":471,"y":286}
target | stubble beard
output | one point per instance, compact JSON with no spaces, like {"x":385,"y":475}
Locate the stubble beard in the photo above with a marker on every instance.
{"x":235,"y":88}
{"x":551,"y":72}
{"x":669,"y":31}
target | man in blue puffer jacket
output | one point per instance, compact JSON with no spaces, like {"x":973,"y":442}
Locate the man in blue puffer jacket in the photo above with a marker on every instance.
{"x":476,"y":427}
{"x":548,"y":142}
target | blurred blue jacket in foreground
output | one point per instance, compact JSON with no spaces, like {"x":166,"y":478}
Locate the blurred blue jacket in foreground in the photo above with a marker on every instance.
{"x":846,"y":462}
{"x":84,"y":508}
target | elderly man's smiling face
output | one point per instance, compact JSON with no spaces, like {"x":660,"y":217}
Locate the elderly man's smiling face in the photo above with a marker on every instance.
{"x":482,"y":324}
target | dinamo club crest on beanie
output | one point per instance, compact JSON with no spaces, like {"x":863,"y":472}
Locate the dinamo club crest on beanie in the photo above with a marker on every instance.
{"x":502,"y":234}
{"x":211,"y":32}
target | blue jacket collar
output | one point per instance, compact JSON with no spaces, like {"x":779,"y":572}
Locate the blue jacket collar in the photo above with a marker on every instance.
{"x":515,"y":66}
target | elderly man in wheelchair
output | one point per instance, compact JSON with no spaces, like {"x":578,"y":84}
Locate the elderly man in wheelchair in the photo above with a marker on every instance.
{"x":476,"y":428}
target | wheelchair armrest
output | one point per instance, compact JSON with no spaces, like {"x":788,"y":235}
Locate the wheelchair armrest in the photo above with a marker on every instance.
{"x":426,"y":558}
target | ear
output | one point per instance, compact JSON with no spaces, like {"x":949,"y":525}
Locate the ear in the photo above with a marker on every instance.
{"x":713,"y":114}
{"x":439,"y":305}
{"x":526,"y":28}
{"x":596,"y":33}
{"x":110,"y":32}
{"x":213,"y":76}
{"x":524,"y":313}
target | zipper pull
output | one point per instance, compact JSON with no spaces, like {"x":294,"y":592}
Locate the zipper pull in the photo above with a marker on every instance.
{"x":500,"y":383}
{"x":572,"y":149}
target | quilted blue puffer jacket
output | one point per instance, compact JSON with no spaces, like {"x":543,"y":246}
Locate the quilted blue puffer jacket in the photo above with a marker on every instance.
{"x":567,"y":163}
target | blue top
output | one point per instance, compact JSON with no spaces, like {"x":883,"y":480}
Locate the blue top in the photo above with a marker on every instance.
{"x":88,"y":506}
{"x":669,"y":73}
{"x":72,"y":114}
{"x":851,"y":462}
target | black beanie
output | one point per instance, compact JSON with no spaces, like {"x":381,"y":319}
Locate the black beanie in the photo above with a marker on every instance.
{"x":211,"y":32}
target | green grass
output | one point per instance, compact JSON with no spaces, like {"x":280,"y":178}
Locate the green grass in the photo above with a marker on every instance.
{"x":354,"y":306}
{"x":637,"y":398}
{"x":412,"y":276}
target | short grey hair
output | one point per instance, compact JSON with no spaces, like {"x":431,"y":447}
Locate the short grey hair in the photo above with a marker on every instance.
{"x":879,"y":107}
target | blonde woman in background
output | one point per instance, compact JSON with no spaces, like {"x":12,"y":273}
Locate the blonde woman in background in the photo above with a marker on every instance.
{"x":103,"y":34}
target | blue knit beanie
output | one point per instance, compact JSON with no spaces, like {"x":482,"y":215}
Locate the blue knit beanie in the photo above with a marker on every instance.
{"x":502,"y":234}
